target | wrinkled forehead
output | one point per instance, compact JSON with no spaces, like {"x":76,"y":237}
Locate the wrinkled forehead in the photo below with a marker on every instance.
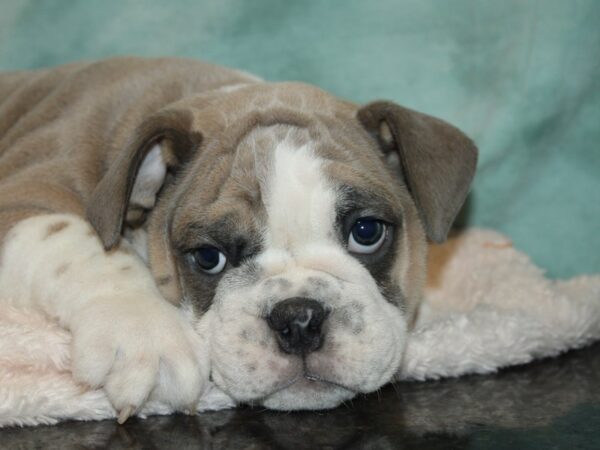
{"x":282,"y":181}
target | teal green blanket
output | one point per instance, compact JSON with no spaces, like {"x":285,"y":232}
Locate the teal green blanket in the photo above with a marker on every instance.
{"x":521,"y":77}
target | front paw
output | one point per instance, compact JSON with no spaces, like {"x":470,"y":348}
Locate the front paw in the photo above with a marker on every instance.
{"x":138,"y":350}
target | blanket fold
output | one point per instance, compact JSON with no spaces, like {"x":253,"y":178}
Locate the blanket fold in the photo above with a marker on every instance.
{"x":486,"y":307}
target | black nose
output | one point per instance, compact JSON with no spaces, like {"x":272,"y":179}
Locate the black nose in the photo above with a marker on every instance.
{"x":297,"y":323}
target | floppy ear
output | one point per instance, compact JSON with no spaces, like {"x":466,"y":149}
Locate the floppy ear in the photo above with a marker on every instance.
{"x":436,"y":160}
{"x":159,"y":144}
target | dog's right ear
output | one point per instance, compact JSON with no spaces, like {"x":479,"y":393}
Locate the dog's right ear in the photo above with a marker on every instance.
{"x":160,"y":144}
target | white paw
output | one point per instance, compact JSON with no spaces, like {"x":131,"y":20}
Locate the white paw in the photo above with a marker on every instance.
{"x":139,"y":350}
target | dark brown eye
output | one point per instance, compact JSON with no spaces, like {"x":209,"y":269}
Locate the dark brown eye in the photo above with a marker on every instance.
{"x":367,"y":235}
{"x":209,"y":259}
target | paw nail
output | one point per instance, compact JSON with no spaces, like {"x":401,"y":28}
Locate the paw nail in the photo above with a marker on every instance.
{"x":191,"y":410}
{"x":124,"y":414}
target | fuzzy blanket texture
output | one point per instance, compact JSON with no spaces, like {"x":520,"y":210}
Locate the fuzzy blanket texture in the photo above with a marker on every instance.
{"x":487,"y":306}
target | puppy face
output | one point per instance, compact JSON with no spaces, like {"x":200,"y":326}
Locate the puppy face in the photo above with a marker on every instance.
{"x":293,"y":235}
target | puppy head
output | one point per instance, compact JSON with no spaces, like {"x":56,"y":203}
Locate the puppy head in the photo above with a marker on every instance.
{"x":294,"y":226}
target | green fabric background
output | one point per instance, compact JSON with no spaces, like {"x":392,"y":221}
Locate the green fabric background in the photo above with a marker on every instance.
{"x":521,"y":77}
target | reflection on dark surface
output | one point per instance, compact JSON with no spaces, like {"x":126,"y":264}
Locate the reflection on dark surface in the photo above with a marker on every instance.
{"x":549,"y":403}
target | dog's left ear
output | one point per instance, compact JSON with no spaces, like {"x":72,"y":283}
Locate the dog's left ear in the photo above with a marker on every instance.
{"x":436,"y":160}
{"x":129,"y":188}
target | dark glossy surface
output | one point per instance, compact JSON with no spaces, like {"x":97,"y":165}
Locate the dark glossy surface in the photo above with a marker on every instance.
{"x":548,"y":404}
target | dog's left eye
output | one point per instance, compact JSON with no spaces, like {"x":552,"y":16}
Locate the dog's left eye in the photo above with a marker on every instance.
{"x":209,"y":259}
{"x":367,"y":235}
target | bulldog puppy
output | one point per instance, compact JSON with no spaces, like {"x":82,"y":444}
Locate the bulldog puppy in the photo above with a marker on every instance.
{"x":188,"y":222}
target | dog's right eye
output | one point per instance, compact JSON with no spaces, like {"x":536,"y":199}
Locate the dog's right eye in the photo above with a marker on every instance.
{"x":209,"y":259}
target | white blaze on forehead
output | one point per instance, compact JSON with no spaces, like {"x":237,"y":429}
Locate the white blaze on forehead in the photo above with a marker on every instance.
{"x":300,"y":201}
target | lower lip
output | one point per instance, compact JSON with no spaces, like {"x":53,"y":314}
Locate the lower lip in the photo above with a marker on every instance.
{"x":309,"y":381}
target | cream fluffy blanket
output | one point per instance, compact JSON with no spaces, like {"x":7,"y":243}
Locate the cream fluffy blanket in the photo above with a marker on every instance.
{"x":486,"y":307}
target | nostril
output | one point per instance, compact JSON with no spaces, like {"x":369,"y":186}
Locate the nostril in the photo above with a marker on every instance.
{"x":297,"y":323}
